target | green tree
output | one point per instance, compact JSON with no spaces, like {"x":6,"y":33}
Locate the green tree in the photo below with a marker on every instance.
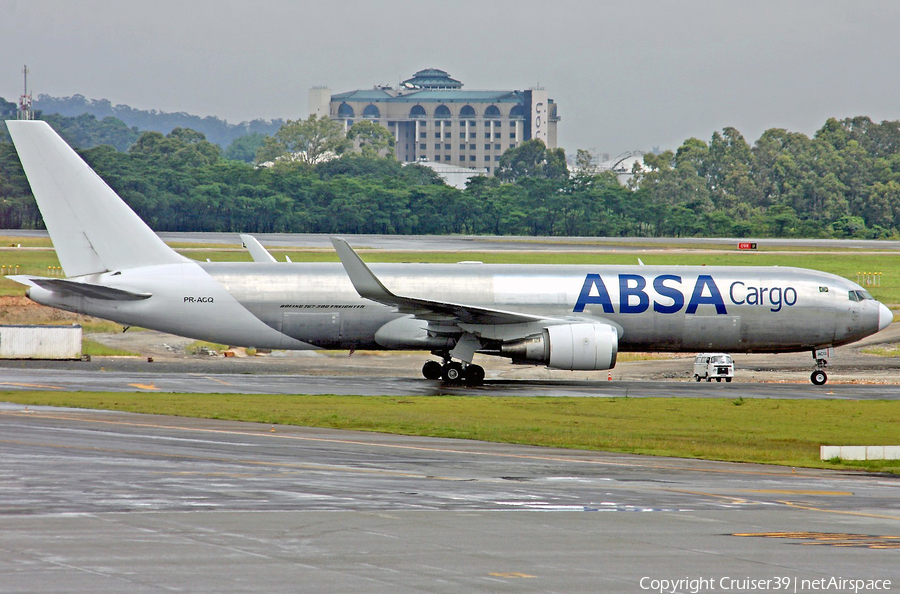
{"x":244,"y":148}
{"x":532,"y":158}
{"x":374,"y":140}
{"x":584,"y":162}
{"x":307,"y":141}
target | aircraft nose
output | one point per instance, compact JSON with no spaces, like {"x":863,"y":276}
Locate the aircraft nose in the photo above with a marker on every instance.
{"x":885,"y":316}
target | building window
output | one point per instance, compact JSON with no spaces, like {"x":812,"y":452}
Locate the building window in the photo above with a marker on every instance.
{"x":447,"y":146}
{"x":423,"y":135}
{"x":345,"y":111}
{"x":446,"y":135}
{"x":487,"y":135}
{"x":471,"y":135}
{"x":437,"y":146}
{"x":487,"y":147}
{"x":492,"y":111}
{"x":512,"y":146}
{"x":512,"y":134}
{"x":462,"y":134}
{"x":422,"y":146}
{"x":437,"y":134}
{"x":496,"y":135}
{"x":496,"y":157}
{"x":496,"y":147}
{"x":472,"y":147}
{"x":471,"y":157}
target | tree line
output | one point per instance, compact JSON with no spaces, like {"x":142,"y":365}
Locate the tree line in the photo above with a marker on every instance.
{"x":216,"y":130}
{"x":842,"y":182}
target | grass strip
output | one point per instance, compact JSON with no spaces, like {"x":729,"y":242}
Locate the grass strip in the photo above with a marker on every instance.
{"x":786,"y":432}
{"x":97,"y":349}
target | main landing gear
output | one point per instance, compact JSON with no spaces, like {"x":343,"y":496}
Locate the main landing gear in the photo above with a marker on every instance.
{"x":454,"y":372}
{"x":819,"y":377}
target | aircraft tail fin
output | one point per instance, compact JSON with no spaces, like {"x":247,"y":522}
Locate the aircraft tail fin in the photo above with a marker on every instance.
{"x":92,"y":229}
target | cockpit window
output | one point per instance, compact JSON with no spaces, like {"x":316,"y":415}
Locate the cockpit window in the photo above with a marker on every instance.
{"x":859,"y":295}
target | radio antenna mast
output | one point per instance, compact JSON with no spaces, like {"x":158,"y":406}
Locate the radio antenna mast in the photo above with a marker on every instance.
{"x":25,"y":112}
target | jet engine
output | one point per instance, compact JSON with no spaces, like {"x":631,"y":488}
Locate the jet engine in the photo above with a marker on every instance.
{"x":576,"y":347}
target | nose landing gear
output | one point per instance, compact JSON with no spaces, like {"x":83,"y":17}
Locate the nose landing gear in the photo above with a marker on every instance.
{"x":818,"y":377}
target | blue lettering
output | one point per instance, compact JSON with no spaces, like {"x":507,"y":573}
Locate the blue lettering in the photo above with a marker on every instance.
{"x":775,"y":297}
{"x":775,"y":301}
{"x":789,"y":301}
{"x":601,"y":298}
{"x":671,"y":292}
{"x":714,"y":297}
{"x":626,"y":292}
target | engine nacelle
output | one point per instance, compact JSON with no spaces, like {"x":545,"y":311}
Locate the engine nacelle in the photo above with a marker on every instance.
{"x":576,"y":347}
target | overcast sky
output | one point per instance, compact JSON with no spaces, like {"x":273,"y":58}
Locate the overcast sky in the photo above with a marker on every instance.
{"x":626,"y":75}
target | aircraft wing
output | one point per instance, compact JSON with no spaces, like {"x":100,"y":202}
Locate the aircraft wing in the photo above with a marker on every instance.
{"x":369,"y":287}
{"x":60,"y":285}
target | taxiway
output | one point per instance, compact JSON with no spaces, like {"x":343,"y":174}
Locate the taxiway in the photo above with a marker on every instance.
{"x":78,"y":380}
{"x":113,"y":502}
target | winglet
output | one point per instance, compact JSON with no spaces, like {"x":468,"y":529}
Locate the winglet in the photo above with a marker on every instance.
{"x":257,"y":251}
{"x":364,"y":281}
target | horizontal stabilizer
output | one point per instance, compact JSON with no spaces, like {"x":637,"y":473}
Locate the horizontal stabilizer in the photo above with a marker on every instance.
{"x":68,"y":287}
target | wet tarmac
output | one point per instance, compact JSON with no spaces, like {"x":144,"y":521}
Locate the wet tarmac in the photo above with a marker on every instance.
{"x":115,"y":502}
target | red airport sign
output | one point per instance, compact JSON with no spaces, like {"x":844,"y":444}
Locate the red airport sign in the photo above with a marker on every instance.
{"x":746,"y":245}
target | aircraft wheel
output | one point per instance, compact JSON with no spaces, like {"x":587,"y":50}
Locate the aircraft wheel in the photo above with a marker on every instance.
{"x":818,"y":377}
{"x":432,"y":370}
{"x":697,"y":377}
{"x":474,"y":375}
{"x":452,"y":372}
{"x":709,"y":379}
{"x":718,"y":379}
{"x":728,"y":380}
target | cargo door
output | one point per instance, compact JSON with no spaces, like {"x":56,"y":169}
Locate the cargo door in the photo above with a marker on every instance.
{"x":321,"y":329}
{"x":712,"y":333}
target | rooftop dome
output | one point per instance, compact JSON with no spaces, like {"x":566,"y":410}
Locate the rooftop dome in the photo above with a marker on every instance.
{"x":432,"y":78}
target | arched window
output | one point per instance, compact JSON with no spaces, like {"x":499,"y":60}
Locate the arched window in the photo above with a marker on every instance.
{"x":467,"y":112}
{"x":442,"y":111}
{"x":492,"y":112}
{"x":417,"y":112}
{"x":517,"y":112}
{"x":371,"y":112}
{"x":345,"y":111}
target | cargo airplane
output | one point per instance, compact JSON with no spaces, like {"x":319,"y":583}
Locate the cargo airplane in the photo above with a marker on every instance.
{"x":563,"y":317}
